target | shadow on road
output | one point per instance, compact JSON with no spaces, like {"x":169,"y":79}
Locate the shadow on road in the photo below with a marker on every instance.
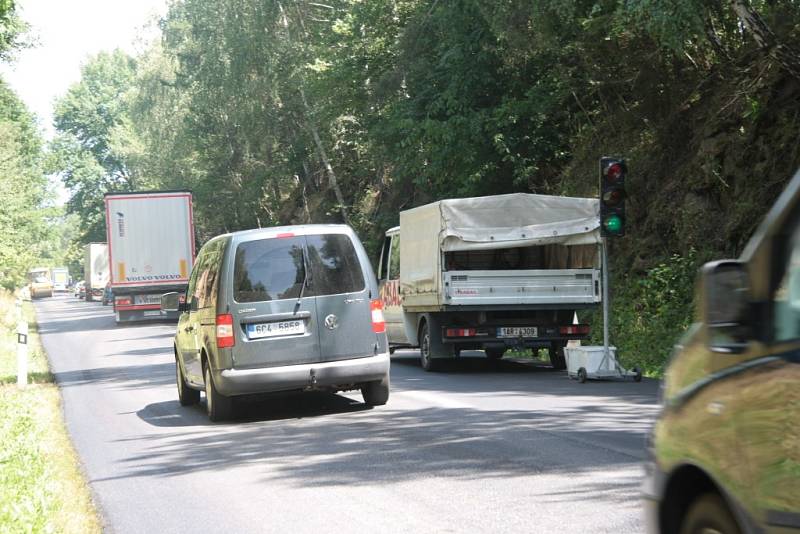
{"x":122,"y":377}
{"x":320,"y":439}
{"x":512,"y":377}
{"x":272,"y":407}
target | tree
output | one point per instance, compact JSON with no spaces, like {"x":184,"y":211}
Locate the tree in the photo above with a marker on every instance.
{"x":87,"y":153}
{"x":25,"y":234}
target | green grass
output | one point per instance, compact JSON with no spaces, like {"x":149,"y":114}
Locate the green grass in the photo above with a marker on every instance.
{"x":41,"y":486}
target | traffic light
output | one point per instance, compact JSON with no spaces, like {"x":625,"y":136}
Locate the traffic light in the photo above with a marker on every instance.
{"x":612,"y":196}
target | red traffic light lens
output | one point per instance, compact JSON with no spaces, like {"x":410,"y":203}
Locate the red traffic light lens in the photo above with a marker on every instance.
{"x":614,"y":172}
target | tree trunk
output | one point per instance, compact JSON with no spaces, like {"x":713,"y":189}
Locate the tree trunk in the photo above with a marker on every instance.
{"x":765,"y":38}
{"x":324,"y":157}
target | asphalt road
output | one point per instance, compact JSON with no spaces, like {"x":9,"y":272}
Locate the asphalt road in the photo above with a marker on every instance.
{"x":480,"y":447}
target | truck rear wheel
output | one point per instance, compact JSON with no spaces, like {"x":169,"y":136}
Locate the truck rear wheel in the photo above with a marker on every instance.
{"x":426,"y":361}
{"x":494,"y":353}
{"x":557,"y":357}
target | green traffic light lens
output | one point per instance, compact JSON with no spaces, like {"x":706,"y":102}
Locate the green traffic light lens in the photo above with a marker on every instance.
{"x":613,"y":224}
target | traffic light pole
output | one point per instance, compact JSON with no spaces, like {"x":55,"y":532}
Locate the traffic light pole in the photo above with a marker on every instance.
{"x":604,"y":257}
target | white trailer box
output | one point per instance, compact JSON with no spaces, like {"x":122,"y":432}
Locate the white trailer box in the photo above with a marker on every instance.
{"x":151,"y":249}
{"x":95,"y":270}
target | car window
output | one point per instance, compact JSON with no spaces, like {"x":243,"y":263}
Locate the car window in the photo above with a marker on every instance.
{"x":268,"y":269}
{"x":786,"y":299}
{"x":334,"y":265}
{"x":394,"y":258}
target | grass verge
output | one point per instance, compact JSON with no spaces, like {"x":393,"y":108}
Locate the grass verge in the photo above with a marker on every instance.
{"x":42,"y":488}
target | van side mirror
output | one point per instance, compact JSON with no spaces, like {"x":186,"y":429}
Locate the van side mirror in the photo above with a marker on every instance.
{"x":727,"y":305}
{"x":171,"y":302}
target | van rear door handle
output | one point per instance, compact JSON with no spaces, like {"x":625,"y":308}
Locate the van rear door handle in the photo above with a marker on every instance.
{"x":352,"y":301}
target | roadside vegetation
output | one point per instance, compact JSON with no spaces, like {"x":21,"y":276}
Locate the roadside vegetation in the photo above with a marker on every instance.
{"x":41,"y":486}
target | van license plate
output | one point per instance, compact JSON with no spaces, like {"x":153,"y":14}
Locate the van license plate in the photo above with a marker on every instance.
{"x":281,"y":328}
{"x":517,"y":331}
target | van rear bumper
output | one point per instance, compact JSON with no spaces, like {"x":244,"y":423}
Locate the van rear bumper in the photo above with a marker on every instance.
{"x":321,"y":375}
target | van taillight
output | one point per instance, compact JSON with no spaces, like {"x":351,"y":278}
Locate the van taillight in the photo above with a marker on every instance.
{"x":378,"y":322}
{"x":225,"y":337}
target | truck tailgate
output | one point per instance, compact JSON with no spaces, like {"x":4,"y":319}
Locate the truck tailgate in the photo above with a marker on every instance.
{"x":549,"y":286}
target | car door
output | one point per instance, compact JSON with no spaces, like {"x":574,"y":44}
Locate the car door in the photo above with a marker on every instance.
{"x":273,"y":307}
{"x":390,"y":289}
{"x":188,"y":322}
{"x":768,"y":399}
{"x":205,"y":323}
{"x":342,"y":297}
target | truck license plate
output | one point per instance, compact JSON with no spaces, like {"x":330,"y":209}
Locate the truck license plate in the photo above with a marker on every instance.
{"x":147,"y":299}
{"x":280,"y":328}
{"x":517,"y":331}
{"x":152,"y":313}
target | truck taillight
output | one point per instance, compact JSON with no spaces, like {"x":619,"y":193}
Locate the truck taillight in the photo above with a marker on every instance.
{"x":578,"y":329}
{"x":459,"y":332}
{"x":225,"y":337}
{"x":378,"y":321}
{"x":122,"y":301}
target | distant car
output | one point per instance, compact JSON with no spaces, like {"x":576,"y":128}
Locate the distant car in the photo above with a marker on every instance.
{"x":280,"y":309}
{"x":108,"y":295}
{"x":79,"y":290}
{"x":724,"y":455}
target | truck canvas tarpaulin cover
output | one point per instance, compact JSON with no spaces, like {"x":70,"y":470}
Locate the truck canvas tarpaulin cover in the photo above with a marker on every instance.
{"x":469,"y":225}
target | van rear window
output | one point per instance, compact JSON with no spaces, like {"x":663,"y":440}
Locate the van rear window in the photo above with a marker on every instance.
{"x":268,"y":269}
{"x":334,"y":265}
{"x":273,"y":269}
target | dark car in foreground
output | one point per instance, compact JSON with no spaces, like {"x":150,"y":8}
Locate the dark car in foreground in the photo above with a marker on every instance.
{"x":725,"y":451}
{"x":280,"y":309}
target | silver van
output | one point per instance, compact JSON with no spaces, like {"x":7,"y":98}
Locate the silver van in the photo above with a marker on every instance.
{"x":280,"y":309}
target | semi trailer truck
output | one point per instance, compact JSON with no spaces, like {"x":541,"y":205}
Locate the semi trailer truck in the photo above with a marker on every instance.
{"x":151,"y":250}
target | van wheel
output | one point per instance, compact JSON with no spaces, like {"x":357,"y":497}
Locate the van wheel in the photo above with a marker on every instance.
{"x":186,"y":395}
{"x":494,"y":353}
{"x":557,"y":358}
{"x":218,"y":406}
{"x":428,"y":363}
{"x":376,"y":393}
{"x":708,"y":513}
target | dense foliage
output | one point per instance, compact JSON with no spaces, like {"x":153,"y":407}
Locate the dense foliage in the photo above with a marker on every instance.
{"x":278,"y":111}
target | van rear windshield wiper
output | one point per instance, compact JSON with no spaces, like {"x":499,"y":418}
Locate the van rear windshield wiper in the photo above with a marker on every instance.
{"x":307,"y":280}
